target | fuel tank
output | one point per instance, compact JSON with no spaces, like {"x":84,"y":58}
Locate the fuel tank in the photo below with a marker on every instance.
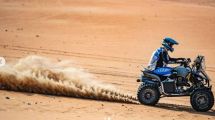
{"x":182,"y":71}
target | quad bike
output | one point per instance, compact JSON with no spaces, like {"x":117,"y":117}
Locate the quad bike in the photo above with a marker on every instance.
{"x":183,"y":80}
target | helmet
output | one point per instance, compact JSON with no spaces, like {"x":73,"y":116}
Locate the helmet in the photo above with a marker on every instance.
{"x":168,"y":43}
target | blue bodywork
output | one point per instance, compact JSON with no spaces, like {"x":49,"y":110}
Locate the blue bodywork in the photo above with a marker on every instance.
{"x":164,"y":71}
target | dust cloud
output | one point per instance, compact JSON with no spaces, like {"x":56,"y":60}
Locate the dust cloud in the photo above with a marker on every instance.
{"x":41,"y":75}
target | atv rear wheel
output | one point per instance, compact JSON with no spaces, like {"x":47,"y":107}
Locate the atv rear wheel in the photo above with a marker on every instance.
{"x":148,"y":94}
{"x":202,"y":100}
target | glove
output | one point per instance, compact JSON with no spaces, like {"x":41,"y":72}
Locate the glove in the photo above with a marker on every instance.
{"x":182,"y":59}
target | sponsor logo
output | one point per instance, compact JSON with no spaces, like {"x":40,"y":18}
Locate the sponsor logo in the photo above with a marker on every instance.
{"x":163,"y":70}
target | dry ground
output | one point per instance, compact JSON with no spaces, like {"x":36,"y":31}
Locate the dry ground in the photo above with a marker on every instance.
{"x":111,"y":39}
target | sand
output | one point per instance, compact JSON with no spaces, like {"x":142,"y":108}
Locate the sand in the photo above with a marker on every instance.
{"x":109,"y":39}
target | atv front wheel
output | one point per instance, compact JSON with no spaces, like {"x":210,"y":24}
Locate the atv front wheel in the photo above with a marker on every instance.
{"x":148,"y":94}
{"x":202,"y":100}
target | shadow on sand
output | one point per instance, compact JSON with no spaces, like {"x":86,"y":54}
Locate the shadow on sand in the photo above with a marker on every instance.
{"x":166,"y":106}
{"x":185,"y":108}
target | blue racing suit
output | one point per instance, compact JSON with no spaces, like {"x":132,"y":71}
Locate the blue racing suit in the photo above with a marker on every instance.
{"x":160,"y":58}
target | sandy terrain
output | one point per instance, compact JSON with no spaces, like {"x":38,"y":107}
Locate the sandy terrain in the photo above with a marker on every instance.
{"x":109,"y":38}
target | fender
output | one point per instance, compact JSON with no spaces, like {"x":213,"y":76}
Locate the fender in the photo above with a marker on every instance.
{"x":202,"y":88}
{"x":146,"y":80}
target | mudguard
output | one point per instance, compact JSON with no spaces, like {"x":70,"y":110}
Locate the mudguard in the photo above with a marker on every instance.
{"x":202,"y":88}
{"x":146,"y":80}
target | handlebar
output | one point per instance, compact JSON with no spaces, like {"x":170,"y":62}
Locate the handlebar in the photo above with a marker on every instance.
{"x":184,"y":61}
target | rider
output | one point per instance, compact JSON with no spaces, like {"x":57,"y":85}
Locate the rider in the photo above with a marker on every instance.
{"x":160,"y":57}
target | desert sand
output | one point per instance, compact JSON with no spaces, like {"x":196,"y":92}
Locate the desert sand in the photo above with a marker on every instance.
{"x":110,"y":39}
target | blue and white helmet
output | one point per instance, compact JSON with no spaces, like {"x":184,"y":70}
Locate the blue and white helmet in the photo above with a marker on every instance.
{"x":168,"y":43}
